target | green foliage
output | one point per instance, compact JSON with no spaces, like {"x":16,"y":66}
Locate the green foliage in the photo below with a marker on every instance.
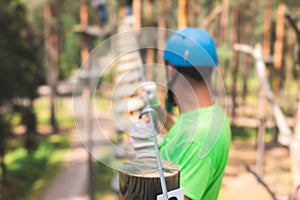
{"x":20,"y":71}
{"x":24,"y":170}
{"x":70,"y":42}
{"x":224,"y":53}
{"x":241,"y":133}
{"x":103,"y":177}
{"x":64,"y":114}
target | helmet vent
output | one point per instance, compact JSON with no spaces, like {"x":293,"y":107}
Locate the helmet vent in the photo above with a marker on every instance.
{"x":186,"y":54}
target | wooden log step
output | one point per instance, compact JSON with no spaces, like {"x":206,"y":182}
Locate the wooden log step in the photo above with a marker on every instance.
{"x":139,"y":179}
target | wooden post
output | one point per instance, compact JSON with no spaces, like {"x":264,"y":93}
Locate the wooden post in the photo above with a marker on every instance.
{"x":139,"y":179}
{"x":260,"y":159}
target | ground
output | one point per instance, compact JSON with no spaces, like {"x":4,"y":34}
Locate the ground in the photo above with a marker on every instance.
{"x":238,"y":183}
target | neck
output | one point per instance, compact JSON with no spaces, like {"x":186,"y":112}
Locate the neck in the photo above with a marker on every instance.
{"x":194,"y":97}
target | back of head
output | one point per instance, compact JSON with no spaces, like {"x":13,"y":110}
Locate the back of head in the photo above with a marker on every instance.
{"x":192,"y":51}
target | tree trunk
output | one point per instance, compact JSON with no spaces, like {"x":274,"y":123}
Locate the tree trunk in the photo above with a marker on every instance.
{"x":182,"y":16}
{"x":30,"y":121}
{"x":150,"y":52}
{"x":161,"y":25}
{"x":245,"y":75}
{"x":3,"y":166}
{"x":148,"y":14}
{"x":5,"y":129}
{"x":278,"y":54}
{"x":295,"y":146}
{"x":246,"y":37}
{"x":211,"y":17}
{"x":161,"y":41}
{"x":267,"y":28}
{"x":86,"y":94}
{"x":224,"y":21}
{"x":51,"y":47}
{"x":235,"y":59}
{"x":195,"y":12}
{"x":139,"y":179}
{"x":136,"y":8}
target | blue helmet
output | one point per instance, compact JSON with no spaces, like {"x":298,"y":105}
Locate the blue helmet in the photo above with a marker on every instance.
{"x":191,"y":47}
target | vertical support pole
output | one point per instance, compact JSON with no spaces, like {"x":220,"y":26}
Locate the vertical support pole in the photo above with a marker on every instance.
{"x":261,"y":133}
{"x":84,"y":20}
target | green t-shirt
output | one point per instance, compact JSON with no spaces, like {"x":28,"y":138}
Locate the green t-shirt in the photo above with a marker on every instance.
{"x":199,"y":143}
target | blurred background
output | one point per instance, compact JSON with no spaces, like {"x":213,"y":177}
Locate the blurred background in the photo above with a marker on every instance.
{"x":44,"y":42}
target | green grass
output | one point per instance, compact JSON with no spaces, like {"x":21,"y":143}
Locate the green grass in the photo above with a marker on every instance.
{"x":242,"y":133}
{"x":103,"y":177}
{"x":64,"y":115}
{"x":101,"y":104}
{"x":27,"y":175}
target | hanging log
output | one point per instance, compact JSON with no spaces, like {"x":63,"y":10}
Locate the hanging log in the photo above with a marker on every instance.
{"x":139,"y":179}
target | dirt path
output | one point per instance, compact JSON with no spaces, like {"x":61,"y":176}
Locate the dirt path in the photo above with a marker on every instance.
{"x":70,"y":183}
{"x":238,"y":183}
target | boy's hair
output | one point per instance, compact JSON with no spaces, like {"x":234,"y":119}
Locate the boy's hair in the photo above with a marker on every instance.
{"x":197,"y":73}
